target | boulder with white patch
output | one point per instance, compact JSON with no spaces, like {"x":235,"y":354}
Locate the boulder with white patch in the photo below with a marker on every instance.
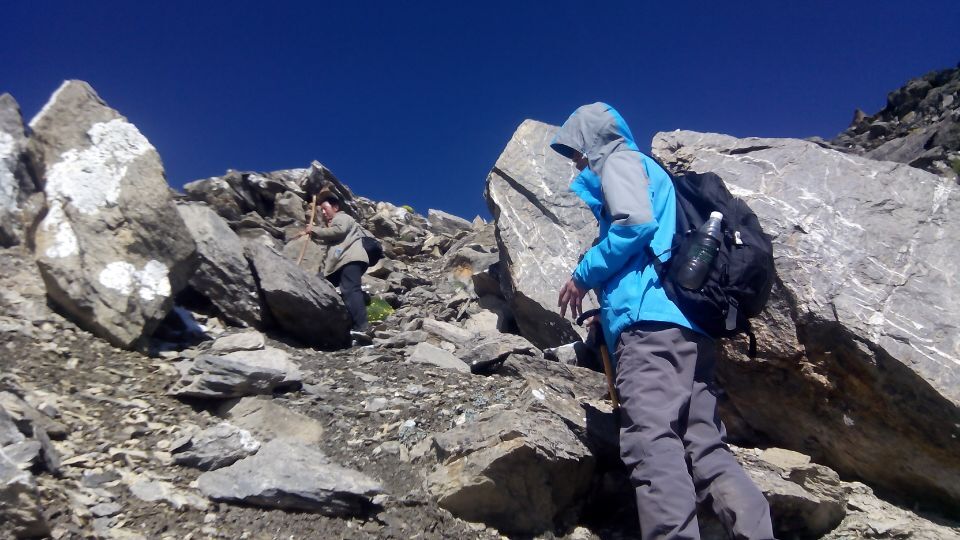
{"x":859,"y":361}
{"x":112,"y":249}
{"x":15,"y":182}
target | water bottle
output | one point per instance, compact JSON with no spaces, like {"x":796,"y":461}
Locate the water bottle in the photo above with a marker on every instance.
{"x":693,"y":268}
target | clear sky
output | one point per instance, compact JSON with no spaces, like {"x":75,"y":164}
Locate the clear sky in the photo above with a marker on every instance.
{"x":412,"y":102}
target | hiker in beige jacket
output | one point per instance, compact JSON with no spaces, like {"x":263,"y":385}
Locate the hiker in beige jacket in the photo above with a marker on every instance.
{"x":346,"y":259}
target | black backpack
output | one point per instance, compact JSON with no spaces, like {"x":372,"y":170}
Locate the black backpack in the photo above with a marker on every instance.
{"x":373,"y":247}
{"x":739,"y":282}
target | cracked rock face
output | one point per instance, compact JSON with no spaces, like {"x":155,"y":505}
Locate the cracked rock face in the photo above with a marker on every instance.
{"x":111,"y":248}
{"x":860,"y":349}
{"x":542,"y":229}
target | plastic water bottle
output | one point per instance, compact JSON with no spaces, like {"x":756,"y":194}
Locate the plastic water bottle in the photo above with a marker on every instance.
{"x":695,"y":265}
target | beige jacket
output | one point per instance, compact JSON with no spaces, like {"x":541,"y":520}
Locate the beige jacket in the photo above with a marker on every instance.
{"x":343,"y":235}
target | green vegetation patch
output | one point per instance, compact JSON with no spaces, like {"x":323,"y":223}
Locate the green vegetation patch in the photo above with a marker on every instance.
{"x":378,"y":309}
{"x":955,"y":165}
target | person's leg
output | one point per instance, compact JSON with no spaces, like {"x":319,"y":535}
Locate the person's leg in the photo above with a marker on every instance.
{"x":654,"y":376}
{"x":717,"y":475}
{"x":350,"y":275}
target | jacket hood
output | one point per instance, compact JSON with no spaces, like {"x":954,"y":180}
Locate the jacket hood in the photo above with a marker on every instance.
{"x":596,"y":131}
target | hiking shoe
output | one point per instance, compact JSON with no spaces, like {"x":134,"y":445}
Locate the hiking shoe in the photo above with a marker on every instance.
{"x":361,"y":338}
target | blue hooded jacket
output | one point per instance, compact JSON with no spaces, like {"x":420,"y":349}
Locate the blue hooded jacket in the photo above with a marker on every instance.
{"x":634,"y":202}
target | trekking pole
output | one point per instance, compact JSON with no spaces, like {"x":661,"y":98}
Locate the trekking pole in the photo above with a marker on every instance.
{"x":313,"y":214}
{"x":604,"y":355}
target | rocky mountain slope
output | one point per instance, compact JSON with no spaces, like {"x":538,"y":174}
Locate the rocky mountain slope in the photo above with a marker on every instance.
{"x":919,"y":126}
{"x":171,"y":371}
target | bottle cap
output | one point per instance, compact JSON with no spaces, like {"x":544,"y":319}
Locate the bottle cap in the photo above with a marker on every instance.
{"x":718,"y":215}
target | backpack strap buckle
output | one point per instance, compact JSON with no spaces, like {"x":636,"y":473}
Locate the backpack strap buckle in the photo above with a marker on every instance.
{"x":731,"y":321}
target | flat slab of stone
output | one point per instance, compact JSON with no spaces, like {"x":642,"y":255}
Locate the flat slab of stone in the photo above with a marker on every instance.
{"x":268,"y":420}
{"x":292,"y":476}
{"x":216,"y":447}
{"x":425,"y":353}
{"x":238,"y":374}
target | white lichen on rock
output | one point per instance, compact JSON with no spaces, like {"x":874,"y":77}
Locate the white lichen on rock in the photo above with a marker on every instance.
{"x":89,"y":179}
{"x":48,"y":105}
{"x":123,"y":277}
{"x":63,"y":240}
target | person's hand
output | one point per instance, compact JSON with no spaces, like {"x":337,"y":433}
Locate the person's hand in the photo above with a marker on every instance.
{"x":571,"y":295}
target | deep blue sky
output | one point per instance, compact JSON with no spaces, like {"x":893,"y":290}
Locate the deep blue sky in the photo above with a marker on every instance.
{"x":412,"y":102}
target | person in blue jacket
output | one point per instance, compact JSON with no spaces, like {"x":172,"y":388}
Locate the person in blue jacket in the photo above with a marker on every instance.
{"x":671,"y":437}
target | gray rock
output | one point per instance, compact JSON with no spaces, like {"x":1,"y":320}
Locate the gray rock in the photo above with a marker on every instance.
{"x":269,"y":420}
{"x":806,"y":499}
{"x":492,"y":346}
{"x":225,"y":194}
{"x":224,"y":274}
{"x":237,"y":374}
{"x":24,"y":453}
{"x":106,"y":509}
{"x":425,"y":353}
{"x":15,"y":182}
{"x":313,"y":255}
{"x":292,"y":476}
{"x":24,"y":414}
{"x":150,"y":490}
{"x":302,"y":304}
{"x":20,"y":509}
{"x":859,"y":347}
{"x":9,"y":432}
{"x":218,"y":446}
{"x":444,"y":223}
{"x":446,"y":331}
{"x":288,"y":208}
{"x":250,"y":340}
{"x":542,"y":229}
{"x":520,"y":473}
{"x":112,"y":249}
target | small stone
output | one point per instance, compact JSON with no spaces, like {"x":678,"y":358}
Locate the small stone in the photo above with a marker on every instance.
{"x":106,"y":509}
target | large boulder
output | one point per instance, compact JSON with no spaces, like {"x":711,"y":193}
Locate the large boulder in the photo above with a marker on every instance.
{"x":520,"y":473}
{"x":542,"y":228}
{"x":224,"y":274}
{"x":15,"y":182}
{"x":860,"y":345}
{"x":112,"y":248}
{"x":303,"y":304}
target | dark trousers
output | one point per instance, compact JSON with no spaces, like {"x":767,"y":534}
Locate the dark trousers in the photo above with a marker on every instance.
{"x":671,"y":437}
{"x":347,"y":277}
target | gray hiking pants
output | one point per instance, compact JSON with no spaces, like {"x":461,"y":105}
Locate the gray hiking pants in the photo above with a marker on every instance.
{"x":671,"y":437}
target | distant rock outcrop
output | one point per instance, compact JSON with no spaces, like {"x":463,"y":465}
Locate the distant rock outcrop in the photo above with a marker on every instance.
{"x":112,"y":248}
{"x":542,"y":229}
{"x":860,"y":345}
{"x":919,"y":126}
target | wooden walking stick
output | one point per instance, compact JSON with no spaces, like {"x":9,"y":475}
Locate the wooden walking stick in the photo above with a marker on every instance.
{"x":604,"y":355}
{"x":313,"y":214}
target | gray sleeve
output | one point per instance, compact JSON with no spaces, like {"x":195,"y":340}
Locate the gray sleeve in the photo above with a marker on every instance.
{"x":626,"y":189}
{"x":337,"y":230}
